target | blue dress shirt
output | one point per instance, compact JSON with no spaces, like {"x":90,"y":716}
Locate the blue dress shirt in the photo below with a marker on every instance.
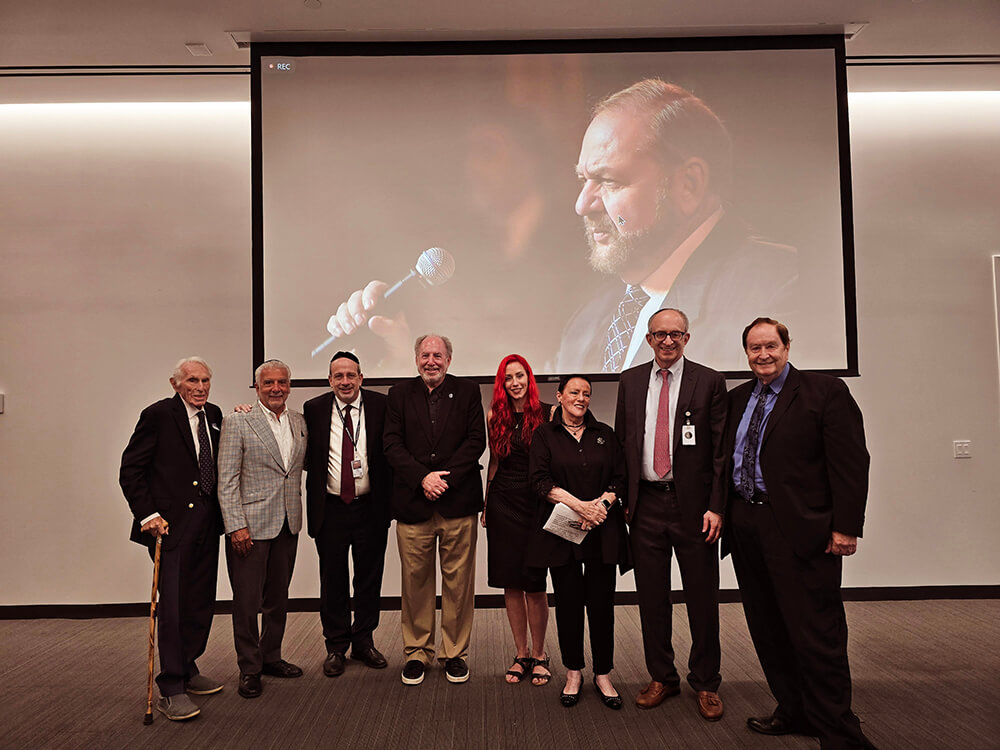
{"x":741,"y":432}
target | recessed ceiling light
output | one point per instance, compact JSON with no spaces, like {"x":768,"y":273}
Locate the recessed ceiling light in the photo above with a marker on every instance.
{"x":314,"y":4}
{"x":197,"y":49}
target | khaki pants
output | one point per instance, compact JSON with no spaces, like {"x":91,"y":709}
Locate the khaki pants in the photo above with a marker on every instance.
{"x":456,"y":542}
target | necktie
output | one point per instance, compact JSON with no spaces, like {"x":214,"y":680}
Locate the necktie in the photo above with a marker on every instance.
{"x":347,"y":454}
{"x":620,"y":333}
{"x":661,"y":444}
{"x":206,"y":465}
{"x":748,"y":470}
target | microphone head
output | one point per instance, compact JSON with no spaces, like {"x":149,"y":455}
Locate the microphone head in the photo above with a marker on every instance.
{"x":435,"y":266}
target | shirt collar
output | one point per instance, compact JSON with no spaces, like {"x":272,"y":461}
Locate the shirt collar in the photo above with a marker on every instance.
{"x":341,"y":404}
{"x":192,"y":412}
{"x":270,"y":414}
{"x":778,"y":383}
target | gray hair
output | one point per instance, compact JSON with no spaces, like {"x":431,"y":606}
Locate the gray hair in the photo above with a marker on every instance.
{"x":178,"y":375}
{"x":421,"y":339}
{"x":271,"y":364}
{"x":681,"y":125}
{"x":649,"y":325}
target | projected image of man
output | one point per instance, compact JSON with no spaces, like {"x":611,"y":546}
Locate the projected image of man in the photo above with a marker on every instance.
{"x":655,"y":167}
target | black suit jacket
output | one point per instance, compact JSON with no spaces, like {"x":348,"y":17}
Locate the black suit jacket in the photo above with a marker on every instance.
{"x":813,"y":459}
{"x":699,"y":469}
{"x":413,"y":453}
{"x":159,"y":471}
{"x":318,"y":413}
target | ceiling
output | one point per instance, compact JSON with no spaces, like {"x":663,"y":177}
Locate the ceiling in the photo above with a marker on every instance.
{"x":69,"y":33}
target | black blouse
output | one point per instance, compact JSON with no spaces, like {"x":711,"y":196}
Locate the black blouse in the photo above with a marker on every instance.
{"x":585,"y":469}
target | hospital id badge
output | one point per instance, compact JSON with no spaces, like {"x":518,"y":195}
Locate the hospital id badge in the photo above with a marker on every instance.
{"x":356,"y":468}
{"x":687,"y":434}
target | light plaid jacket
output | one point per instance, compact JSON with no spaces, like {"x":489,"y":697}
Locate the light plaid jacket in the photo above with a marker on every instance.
{"x":256,"y":490}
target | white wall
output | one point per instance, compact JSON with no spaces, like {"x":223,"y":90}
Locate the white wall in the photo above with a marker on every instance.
{"x":125,"y":241}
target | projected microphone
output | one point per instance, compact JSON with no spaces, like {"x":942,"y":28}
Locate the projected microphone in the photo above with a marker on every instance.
{"x":434,"y":267}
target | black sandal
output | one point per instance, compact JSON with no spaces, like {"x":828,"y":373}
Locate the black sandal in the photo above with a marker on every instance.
{"x":544,"y":663}
{"x":526,"y":663}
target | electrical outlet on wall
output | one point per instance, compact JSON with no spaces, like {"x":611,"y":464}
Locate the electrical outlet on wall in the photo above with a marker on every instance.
{"x":963,"y":448}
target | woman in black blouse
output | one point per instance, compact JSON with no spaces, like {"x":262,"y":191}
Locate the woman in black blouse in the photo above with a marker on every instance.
{"x":577,"y":461}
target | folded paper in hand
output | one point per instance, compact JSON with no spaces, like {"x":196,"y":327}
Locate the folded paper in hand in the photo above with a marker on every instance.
{"x":565,"y":523}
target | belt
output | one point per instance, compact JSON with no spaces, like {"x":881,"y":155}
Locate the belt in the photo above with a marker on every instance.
{"x":358,"y":499}
{"x":759,"y":498}
{"x":661,"y":486}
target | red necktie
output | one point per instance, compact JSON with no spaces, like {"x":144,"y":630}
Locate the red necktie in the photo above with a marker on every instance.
{"x":661,"y":445}
{"x":347,"y":454}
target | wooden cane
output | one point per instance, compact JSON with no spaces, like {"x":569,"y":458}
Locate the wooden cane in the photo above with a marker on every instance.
{"x":148,"y":719}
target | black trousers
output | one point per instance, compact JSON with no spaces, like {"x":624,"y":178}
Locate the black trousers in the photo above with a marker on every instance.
{"x":657,"y":532}
{"x":260,"y":586}
{"x":357,"y":530}
{"x":796,"y":619}
{"x":586,"y":585}
{"x":187,"y":587}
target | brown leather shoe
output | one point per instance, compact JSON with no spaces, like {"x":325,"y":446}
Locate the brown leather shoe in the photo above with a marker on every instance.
{"x":709,"y":705}
{"x":655,"y":693}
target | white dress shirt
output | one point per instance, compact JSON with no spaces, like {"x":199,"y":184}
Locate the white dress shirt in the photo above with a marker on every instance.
{"x":282,"y":429}
{"x":652,"y":405}
{"x":362,"y":485}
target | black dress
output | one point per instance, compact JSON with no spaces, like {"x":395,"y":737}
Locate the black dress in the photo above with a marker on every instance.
{"x":510,"y":513}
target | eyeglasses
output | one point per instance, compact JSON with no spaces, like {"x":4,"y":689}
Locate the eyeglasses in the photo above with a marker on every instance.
{"x":660,"y":336}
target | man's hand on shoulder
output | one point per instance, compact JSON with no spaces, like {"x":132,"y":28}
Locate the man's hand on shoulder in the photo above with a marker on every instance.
{"x":156,"y":526}
{"x":841,"y":544}
{"x":243,"y":408}
{"x":434,"y":484}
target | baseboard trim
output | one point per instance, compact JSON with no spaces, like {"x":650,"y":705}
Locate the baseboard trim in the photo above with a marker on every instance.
{"x":490,"y":601}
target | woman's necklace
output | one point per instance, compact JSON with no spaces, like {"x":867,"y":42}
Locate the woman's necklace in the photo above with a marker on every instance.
{"x":574,"y":429}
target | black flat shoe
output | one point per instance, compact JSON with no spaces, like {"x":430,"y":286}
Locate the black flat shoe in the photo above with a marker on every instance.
{"x":611,"y":701}
{"x":568,"y":700}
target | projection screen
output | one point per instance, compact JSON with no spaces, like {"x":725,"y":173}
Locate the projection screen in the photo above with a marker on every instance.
{"x":368,"y":155}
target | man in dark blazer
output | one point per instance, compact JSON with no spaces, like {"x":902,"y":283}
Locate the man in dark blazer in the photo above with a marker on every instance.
{"x":168,"y":477}
{"x":670,"y":418}
{"x":797,"y":495}
{"x":348,"y":483}
{"x":435,"y":435}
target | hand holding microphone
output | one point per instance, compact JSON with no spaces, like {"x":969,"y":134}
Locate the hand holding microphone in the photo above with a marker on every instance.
{"x":433,"y":267}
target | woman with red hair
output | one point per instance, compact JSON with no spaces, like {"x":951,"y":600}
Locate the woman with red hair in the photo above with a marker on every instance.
{"x":514,"y":415}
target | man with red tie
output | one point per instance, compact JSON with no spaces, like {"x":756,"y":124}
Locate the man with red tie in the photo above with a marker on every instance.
{"x":348,"y":484}
{"x":670,"y":418}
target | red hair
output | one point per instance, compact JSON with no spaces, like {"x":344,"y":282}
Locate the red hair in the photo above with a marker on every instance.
{"x":501,"y":425}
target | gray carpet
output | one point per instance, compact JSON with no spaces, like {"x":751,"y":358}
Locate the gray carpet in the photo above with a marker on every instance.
{"x":926,"y":675}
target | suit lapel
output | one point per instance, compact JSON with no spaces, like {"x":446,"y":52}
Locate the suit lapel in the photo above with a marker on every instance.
{"x":788,"y":393}
{"x":258,"y":423}
{"x":688,"y":382}
{"x":184,"y":425}
{"x":326,"y":420}
{"x":637,"y":404}
{"x":444,"y":408}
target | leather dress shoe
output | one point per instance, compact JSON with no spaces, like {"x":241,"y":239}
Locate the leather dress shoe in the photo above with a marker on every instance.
{"x":334,"y":664}
{"x":775,"y":725}
{"x":655,"y":693}
{"x":611,"y":701}
{"x":709,"y":705}
{"x":370,"y":657}
{"x":281,"y":668}
{"x":249,"y":685}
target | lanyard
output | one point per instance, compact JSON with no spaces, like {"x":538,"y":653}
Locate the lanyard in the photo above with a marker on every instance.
{"x":357,"y":425}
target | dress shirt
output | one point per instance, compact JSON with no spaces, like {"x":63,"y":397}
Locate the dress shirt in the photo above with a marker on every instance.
{"x":652,"y":406}
{"x":362,"y":485}
{"x":658,"y":289}
{"x":741,"y":432}
{"x":192,"y":413}
{"x":281,"y":426}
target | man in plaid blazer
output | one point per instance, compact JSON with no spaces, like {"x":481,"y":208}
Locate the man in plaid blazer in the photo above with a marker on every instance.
{"x":261,"y":454}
